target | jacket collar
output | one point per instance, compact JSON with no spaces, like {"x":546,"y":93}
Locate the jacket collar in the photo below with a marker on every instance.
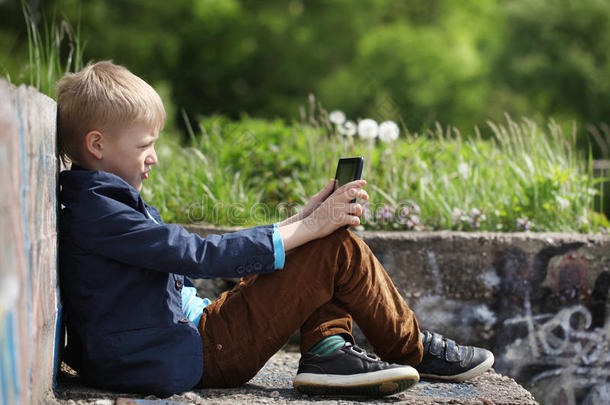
{"x":77,"y":167}
{"x":78,"y":182}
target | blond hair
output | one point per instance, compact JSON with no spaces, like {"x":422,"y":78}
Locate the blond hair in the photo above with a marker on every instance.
{"x":100,"y":96}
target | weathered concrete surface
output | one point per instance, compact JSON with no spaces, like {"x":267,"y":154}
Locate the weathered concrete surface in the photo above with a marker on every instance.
{"x":538,"y":301}
{"x":29,"y":293}
{"x":273,"y":385}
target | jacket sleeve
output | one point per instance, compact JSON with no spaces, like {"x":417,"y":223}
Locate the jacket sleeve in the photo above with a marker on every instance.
{"x":111,"y":227}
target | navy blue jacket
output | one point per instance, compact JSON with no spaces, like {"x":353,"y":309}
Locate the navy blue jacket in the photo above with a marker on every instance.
{"x":121,"y":276}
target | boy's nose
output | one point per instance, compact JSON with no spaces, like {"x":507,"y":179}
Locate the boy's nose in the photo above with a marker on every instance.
{"x":152,"y":159}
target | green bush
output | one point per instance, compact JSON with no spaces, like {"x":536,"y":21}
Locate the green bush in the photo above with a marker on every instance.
{"x":456,"y":62}
{"x":252,"y":172}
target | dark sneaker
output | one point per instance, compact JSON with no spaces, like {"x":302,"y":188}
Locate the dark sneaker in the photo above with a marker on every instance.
{"x":446,"y":360}
{"x":352,"y":371}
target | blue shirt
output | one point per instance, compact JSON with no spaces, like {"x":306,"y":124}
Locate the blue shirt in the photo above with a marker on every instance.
{"x":193,"y":306}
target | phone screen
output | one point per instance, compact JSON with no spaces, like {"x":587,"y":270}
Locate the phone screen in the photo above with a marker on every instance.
{"x":348,"y":169}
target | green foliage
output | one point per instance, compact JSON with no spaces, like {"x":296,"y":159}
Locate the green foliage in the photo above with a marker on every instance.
{"x":252,"y":172}
{"x":51,"y":53}
{"x":555,"y":56}
{"x":417,"y":62}
{"x":420,"y":71}
{"x":420,"y":61}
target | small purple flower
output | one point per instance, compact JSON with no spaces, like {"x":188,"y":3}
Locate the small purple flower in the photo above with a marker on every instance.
{"x":407,"y":216}
{"x":402,"y":218}
{"x":367,"y":215}
{"x":476,"y":216}
{"x":385,"y":214}
{"x":366,"y":206}
{"x":524,"y":224}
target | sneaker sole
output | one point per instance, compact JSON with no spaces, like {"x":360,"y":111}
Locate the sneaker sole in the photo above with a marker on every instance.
{"x":466,"y":375}
{"x":373,"y":384}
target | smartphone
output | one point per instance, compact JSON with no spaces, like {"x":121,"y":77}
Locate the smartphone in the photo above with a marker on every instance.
{"x":349,"y":169}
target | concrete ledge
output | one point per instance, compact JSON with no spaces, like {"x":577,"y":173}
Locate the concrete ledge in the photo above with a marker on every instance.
{"x":273,"y":384}
{"x":539,"y":301}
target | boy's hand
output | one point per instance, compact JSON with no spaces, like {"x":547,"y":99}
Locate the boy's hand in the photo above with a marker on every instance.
{"x":319,"y":198}
{"x":336,"y":210}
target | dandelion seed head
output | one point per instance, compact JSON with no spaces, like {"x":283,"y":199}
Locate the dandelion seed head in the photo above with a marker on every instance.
{"x":348,"y":128}
{"x":337,"y":117}
{"x":368,"y":129}
{"x":388,"y":131}
{"x":464,"y":170}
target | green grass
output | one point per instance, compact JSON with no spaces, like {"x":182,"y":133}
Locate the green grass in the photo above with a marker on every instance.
{"x":252,"y":172}
{"x":53,"y":49}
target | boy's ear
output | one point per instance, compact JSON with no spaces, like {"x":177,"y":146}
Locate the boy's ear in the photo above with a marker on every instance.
{"x":94,"y":144}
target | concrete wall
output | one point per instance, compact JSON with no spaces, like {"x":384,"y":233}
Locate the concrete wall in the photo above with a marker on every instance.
{"x":539,"y":301}
{"x":29,"y":295}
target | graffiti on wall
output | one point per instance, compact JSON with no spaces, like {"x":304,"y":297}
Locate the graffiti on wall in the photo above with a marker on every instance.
{"x":28,"y":245}
{"x":554,"y":326}
{"x":463,"y":320}
{"x":12,"y":259}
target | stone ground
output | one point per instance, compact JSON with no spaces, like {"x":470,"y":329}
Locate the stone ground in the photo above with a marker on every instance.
{"x":273,"y":385}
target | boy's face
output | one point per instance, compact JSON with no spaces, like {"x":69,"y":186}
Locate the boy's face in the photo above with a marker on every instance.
{"x":130,"y":152}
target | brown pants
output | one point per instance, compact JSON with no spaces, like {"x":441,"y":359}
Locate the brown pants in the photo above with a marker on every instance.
{"x":324,"y":283}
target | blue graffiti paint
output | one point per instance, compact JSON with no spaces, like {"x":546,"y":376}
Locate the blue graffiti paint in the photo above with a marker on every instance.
{"x":14,"y":369}
{"x":32,"y":323}
{"x":4,"y":379}
{"x":9,"y":373}
{"x":24,"y":190}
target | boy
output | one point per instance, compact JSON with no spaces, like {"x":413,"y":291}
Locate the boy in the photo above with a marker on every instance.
{"x":134,"y":323}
